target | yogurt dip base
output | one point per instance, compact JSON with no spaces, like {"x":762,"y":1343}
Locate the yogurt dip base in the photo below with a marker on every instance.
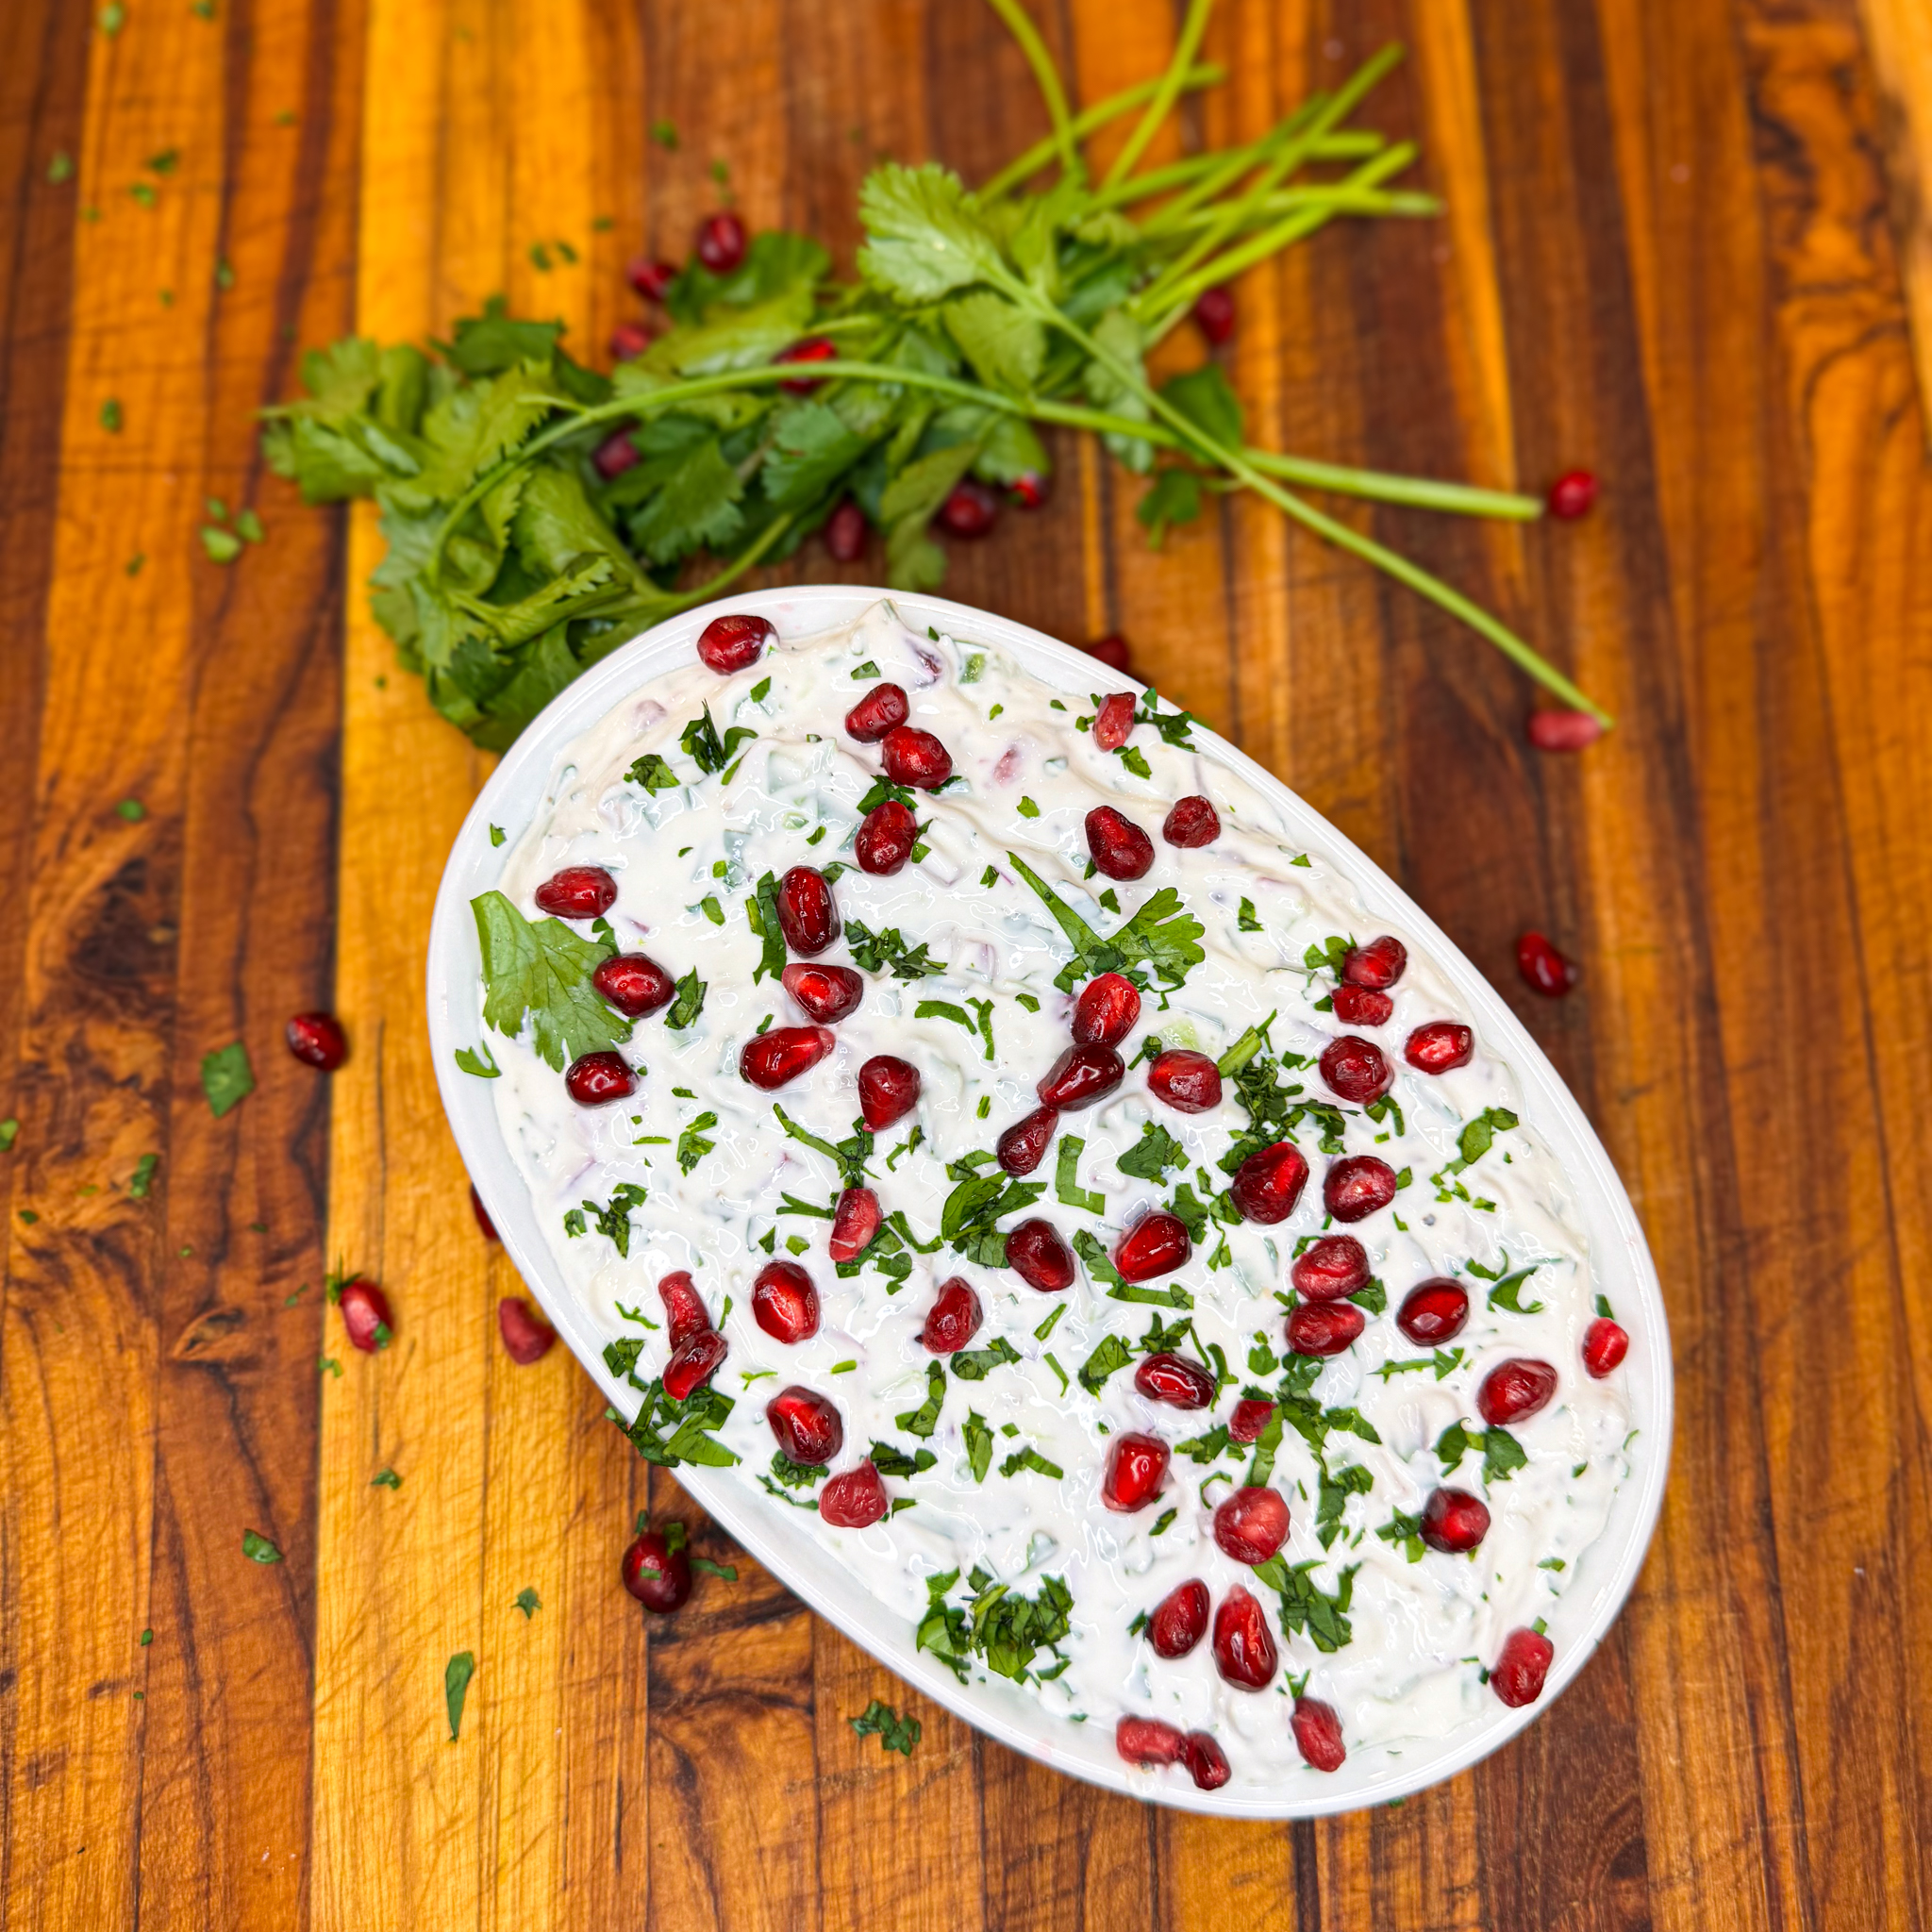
{"x":1411,"y":1712}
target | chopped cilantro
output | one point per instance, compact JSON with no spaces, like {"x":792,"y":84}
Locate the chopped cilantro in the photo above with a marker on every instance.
{"x":886,"y":952}
{"x":142,"y":1179}
{"x":385,"y":1479}
{"x":978,"y":1444}
{"x":1067,"y":1189}
{"x":1031,"y":1457}
{"x":701,"y":743}
{"x":1028,"y":808}
{"x":226,"y":1078}
{"x":257,"y":1548}
{"x":479,"y":1062}
{"x":527,"y":1601}
{"x":692,"y":1144}
{"x":895,"y":1733}
{"x":1004,"y":1628}
{"x":456,"y":1688}
{"x":688,"y":1004}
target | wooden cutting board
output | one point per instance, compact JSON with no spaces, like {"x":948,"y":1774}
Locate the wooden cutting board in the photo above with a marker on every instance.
{"x":1669,"y":255}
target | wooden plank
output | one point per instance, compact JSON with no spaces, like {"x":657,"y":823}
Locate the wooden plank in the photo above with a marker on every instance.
{"x":1898,"y":37}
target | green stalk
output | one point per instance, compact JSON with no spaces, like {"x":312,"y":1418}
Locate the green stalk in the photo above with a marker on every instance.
{"x":1048,"y":79}
{"x":1347,"y":146}
{"x":1159,"y":106}
{"x":1090,"y":119}
{"x":1382,"y":485}
{"x":1241,"y":160}
{"x":1338,"y":197}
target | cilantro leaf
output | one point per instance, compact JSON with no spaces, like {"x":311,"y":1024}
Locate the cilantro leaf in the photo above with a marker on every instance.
{"x":895,"y":1733}
{"x":887,"y":951}
{"x":543,"y":972}
{"x":688,"y":1004}
{"x":226,"y":1078}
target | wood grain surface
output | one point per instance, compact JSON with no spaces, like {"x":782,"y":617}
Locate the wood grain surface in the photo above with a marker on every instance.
{"x":1680,"y":245}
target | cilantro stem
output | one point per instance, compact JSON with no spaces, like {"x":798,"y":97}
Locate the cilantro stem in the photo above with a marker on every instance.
{"x":1088,"y":119}
{"x":1048,"y":79}
{"x":1204,"y":175}
{"x":1331,"y":197}
{"x":1162,"y":104}
{"x":1237,"y":162}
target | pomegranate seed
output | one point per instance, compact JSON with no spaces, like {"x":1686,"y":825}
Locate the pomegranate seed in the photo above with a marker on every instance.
{"x":1269,"y":1182}
{"x":1251,"y":1416}
{"x":1114,"y":720}
{"x":1135,"y":1467}
{"x":1330,"y":1267}
{"x":887,"y":1090}
{"x":578,"y":891}
{"x":482,"y":1214}
{"x":1545,"y":969}
{"x":654,"y":1573}
{"x":1206,"y":1762}
{"x":1572,"y":494}
{"x":595,"y":1079}
{"x":806,"y":1426}
{"x":1028,"y":491}
{"x":1356,"y":1006}
{"x":1147,"y":1740}
{"x":886,"y":840}
{"x":1356,"y":1069}
{"x":780,"y":1056}
{"x":785,"y":1304}
{"x":721,"y":241}
{"x":955,"y":1318}
{"x":826,"y":994}
{"x":1024,"y":1145}
{"x":1440,"y":1047}
{"x":693,"y":1362}
{"x":524,"y":1339}
{"x":365,"y":1315}
{"x":1555,"y":730}
{"x":1157,"y":1245}
{"x":807,"y":910}
{"x":1321,"y":1328}
{"x":1214,"y":311}
{"x":1318,"y":1734}
{"x":1515,"y":1388}
{"x":683,"y":1309}
{"x":915,"y":757}
{"x":1104,"y":1013}
{"x":1454,"y":1521}
{"x":970,"y":511}
{"x":1244,"y":1653}
{"x":614,"y":455}
{"x":1117,"y":845}
{"x":1174,"y":1380}
{"x":1354,"y":1188}
{"x":1180,"y":1619}
{"x":1039,"y":1257}
{"x":1111,"y":650}
{"x":878,"y":712}
{"x":1192,"y":822}
{"x":856,"y":1500}
{"x":1605,"y":1344}
{"x":1433,"y":1312}
{"x":628,"y":340}
{"x":1519,"y":1673}
{"x":1251,"y":1524}
{"x":651,"y":278}
{"x":814,"y":349}
{"x":1377,"y":965}
{"x":846,"y":532}
{"x":1081,"y":1076}
{"x":735,"y":642}
{"x":317,"y":1040}
{"x":855,"y":1225}
{"x":1190,"y":1082}
{"x":633,"y":984}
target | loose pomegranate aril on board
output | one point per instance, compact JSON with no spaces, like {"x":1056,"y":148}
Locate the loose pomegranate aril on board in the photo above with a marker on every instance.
{"x":969,"y":510}
{"x":1605,"y":1344}
{"x":633,"y":984}
{"x":1433,"y":1312}
{"x":808,"y":1427}
{"x":1180,"y":1619}
{"x":1555,"y":730}
{"x":1147,"y":1740}
{"x":1028,"y":491}
{"x":1189,"y":1082}
{"x":1117,"y":845}
{"x":1356,"y":1069}
{"x":1322,"y":1328}
{"x":785,"y":1304}
{"x":808,"y":915}
{"x":595,"y":1079}
{"x":721,"y":241}
{"x":887,"y":1090}
{"x":1251,"y":1416}
{"x":915,"y":757}
{"x":1173,"y":1379}
{"x":614,"y":455}
{"x":1114,"y":720}
{"x":1572,"y":494}
{"x":1206,"y":1762}
{"x":1440,"y":1047}
{"x":365,"y":1315}
{"x":1214,"y":311}
{"x":735,"y":642}
{"x":651,"y":278}
{"x":1269,"y":1182}
{"x":1157,"y":1245}
{"x":1081,"y":1076}
{"x":882,"y":709}
{"x":1377,"y":964}
{"x":1356,"y":1005}
{"x":482,"y":1214}
{"x":1024,"y":1145}
{"x":1135,"y":1467}
{"x":1354,"y":1188}
{"x":955,"y":1318}
{"x":814,"y":349}
{"x":693,"y":1362}
{"x":1104,"y":1013}
{"x":628,"y":340}
{"x":1244,"y":1653}
{"x":525,"y":1340}
{"x":654,"y":1573}
{"x":1331,"y":1267}
{"x":1454,"y":1521}
{"x":1515,"y":1389}
{"x":1544,"y":970}
{"x":578,"y":891}
{"x":856,"y":1500}
{"x":1039,"y":1256}
{"x":1251,"y":1524}
{"x":775,"y":1057}
{"x":855,"y":1225}
{"x":846,"y":532}
{"x":684,"y":1312}
{"x":886,"y":839}
{"x":1318,"y":1734}
{"x":826,"y":994}
{"x":1517,"y":1676}
{"x":1112,"y":650}
{"x":317,"y":1040}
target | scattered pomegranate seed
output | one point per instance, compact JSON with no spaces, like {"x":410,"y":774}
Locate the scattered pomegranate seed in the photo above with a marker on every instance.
{"x":1112,"y":651}
{"x":1572,"y":494}
{"x":1433,"y":1312}
{"x":1214,"y":311}
{"x":1353,"y":1188}
{"x":1377,"y":964}
{"x":482,"y":1214}
{"x":654,"y":1573}
{"x":1135,"y":1467}
{"x":1318,"y":1734}
{"x":525,"y":1340}
{"x":1105,"y":1011}
{"x":970,"y":511}
{"x":856,"y":1500}
{"x":633,"y":984}
{"x":628,"y":340}
{"x":1356,"y":1006}
{"x":1322,"y":1328}
{"x":1147,"y":1740}
{"x":693,"y":1362}
{"x":317,"y":1040}
{"x":1206,"y":1762}
{"x":683,"y":1309}
{"x":1269,"y":1182}
{"x":1189,"y":1082}
{"x":1028,"y":491}
{"x":881,"y":710}
{"x":1180,"y":1619}
{"x":721,"y":241}
{"x":807,"y":910}
{"x":955,"y":1318}
{"x":886,"y":839}
{"x":1605,"y":1344}
{"x":578,"y":891}
{"x":1114,"y":720}
{"x":595,"y":1079}
{"x":1037,"y":1255}
{"x":846,"y":532}
{"x":855,"y":1222}
{"x":814,"y":349}
{"x":915,"y":757}
{"x":365,"y":1315}
{"x":1082,"y":1076}
{"x":735,"y":642}
{"x":1356,"y":1069}
{"x":1191,"y":821}
{"x":826,"y":994}
{"x":1117,"y":845}
{"x":785,"y":1304}
{"x":887,"y":1090}
{"x":780,"y":1056}
{"x":1519,"y":1673}
{"x":1545,"y":969}
{"x":651,"y":278}
{"x":1454,"y":1521}
{"x":1556,"y":730}
{"x":1440,"y":1047}
{"x":1024,"y":1145}
{"x":1244,"y":1653}
{"x":1173,"y":1379}
{"x":1251,"y":1416}
{"x":1515,"y":1388}
{"x":1157,"y":1245}
{"x":1330,"y":1267}
{"x":616,"y":454}
{"x":806,"y":1426}
{"x":1251,"y":1524}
